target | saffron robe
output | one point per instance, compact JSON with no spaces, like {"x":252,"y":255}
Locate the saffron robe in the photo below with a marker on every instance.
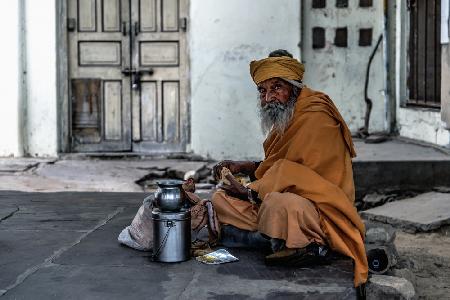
{"x":311,"y":159}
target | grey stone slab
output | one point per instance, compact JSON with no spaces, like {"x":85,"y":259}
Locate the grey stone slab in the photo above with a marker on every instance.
{"x":397,"y":150}
{"x":389,"y":287}
{"x":189,"y":280}
{"x":79,"y":199}
{"x":98,"y":267}
{"x":73,"y":282}
{"x":13,"y":165}
{"x":101,"y":247}
{"x":21,"y":250}
{"x":7,"y":212}
{"x":47,"y":222}
{"x":64,"y":211}
{"x":424,"y":212}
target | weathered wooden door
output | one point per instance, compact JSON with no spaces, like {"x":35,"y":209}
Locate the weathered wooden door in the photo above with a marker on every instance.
{"x":128,"y":75}
{"x":159,"y":109}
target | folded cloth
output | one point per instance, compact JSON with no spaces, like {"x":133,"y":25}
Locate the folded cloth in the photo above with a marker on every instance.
{"x":204,"y":215}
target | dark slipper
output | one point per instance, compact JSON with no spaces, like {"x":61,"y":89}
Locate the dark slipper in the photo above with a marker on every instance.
{"x":312,"y":254}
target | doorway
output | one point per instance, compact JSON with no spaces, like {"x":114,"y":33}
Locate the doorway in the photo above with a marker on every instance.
{"x":128,"y":75}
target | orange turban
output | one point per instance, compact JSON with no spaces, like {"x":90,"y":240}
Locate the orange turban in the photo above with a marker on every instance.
{"x":271,"y":67}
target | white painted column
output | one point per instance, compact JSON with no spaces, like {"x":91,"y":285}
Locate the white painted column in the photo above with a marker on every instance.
{"x":9,"y":79}
{"x":224,"y":37}
{"x":41,"y":103}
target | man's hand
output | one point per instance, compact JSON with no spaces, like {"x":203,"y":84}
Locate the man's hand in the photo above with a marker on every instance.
{"x":244,"y":167}
{"x":235,"y":189}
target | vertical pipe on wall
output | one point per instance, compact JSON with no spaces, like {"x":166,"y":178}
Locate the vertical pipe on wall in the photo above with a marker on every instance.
{"x":390,"y":29}
{"x":23,"y":95}
{"x":62,"y":75}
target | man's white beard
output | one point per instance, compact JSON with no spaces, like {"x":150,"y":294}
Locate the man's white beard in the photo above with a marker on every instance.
{"x":276,"y":115}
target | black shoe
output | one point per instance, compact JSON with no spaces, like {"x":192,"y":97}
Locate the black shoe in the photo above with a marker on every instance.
{"x":313,"y":254}
{"x":234,"y":237}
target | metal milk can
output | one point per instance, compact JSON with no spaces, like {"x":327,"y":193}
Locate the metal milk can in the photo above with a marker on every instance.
{"x":171,"y":236}
{"x":171,"y":223}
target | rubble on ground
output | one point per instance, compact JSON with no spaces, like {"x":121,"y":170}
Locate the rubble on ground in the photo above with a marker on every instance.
{"x":389,"y":287}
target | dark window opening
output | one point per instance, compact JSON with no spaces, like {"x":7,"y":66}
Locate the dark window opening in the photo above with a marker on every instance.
{"x":424,"y":53}
{"x":341,"y":3}
{"x":319,"y":3}
{"x":365,"y":3}
{"x":340,"y":39}
{"x":365,"y":37}
{"x":318,"y":36}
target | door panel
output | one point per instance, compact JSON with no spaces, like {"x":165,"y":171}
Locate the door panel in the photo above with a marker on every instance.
{"x":159,"y":46}
{"x":171,"y":108}
{"x":111,"y":15}
{"x":170,"y":15}
{"x":99,"y":54}
{"x":149,"y":109}
{"x":86,"y":15}
{"x":86,"y":108}
{"x":98,"y":51}
{"x":113,"y":107}
{"x":147,"y":15}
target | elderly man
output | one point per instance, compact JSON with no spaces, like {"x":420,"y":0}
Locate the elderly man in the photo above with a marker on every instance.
{"x":302,"y":194}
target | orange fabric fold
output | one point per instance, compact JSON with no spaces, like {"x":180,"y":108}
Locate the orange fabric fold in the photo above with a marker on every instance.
{"x":313,"y":159}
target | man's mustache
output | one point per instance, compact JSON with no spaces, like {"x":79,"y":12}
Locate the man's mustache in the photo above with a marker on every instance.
{"x":274,"y":105}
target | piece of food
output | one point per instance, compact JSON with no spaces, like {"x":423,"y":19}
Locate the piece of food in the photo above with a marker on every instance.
{"x":223,"y":176}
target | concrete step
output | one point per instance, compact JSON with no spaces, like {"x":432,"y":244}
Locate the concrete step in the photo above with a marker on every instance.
{"x":399,"y":165}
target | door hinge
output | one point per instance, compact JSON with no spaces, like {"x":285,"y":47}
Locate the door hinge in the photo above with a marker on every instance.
{"x":183,"y":24}
{"x":71,"y":24}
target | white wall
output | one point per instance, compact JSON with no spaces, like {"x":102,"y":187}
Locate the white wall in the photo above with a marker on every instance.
{"x":224,"y":37}
{"x":340,"y":72}
{"x":9,"y":80}
{"x":41,"y":103}
{"x":422,"y":125}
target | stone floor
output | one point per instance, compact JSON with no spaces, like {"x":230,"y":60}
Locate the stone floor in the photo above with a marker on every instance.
{"x":64,"y":246}
{"x":393,"y":165}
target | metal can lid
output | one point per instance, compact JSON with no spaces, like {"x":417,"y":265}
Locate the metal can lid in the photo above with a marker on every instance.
{"x":157,"y":214}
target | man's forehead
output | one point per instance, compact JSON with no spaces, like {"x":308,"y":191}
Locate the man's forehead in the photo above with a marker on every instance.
{"x":271,"y":81}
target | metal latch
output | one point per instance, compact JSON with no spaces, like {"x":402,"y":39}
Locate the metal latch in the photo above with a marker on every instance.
{"x":136,"y":76}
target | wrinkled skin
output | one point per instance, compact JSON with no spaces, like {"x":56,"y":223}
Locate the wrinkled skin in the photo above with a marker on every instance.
{"x":274,"y":90}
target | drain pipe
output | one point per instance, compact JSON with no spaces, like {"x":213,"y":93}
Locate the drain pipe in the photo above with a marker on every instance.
{"x":364,"y":131}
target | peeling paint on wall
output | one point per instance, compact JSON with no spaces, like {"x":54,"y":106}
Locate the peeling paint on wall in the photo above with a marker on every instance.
{"x":422,"y":125}
{"x":340,"y":71}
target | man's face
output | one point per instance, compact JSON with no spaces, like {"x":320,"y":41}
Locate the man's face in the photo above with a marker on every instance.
{"x":274,"y":90}
{"x":277,"y":98}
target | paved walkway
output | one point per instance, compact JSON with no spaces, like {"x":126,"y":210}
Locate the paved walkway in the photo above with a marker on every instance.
{"x":391,"y":165}
{"x":64,"y":246}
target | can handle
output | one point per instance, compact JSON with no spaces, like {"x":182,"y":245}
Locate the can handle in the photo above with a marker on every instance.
{"x":169,"y":224}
